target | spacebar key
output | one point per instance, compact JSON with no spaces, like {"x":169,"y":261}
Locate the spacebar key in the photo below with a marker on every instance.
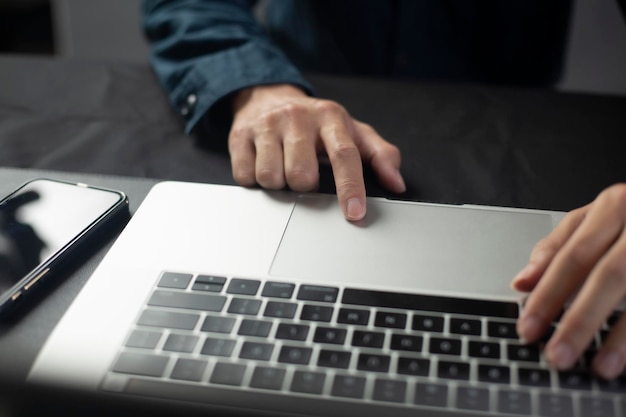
{"x":430,"y":303}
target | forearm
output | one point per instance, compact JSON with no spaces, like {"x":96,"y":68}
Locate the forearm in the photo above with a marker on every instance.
{"x":205,"y":50}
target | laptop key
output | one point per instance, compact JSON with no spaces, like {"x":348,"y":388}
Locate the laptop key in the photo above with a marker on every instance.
{"x":390,"y":320}
{"x":256,"y":351}
{"x":406,"y":342}
{"x":267,"y":378}
{"x":168,"y":319}
{"x":316,"y":313}
{"x":502,"y":329}
{"x":445,"y":346}
{"x":373,"y":363}
{"x":140,"y":364}
{"x":413,"y":366}
{"x":368,"y":339}
{"x":334,"y":359}
{"x":389,"y":390}
{"x":308,"y":382}
{"x":578,"y":380}
{"x":466,"y":326}
{"x":597,"y":407}
{"x":330,"y":335}
{"x":280,"y":310}
{"x":228,"y":374}
{"x":217,"y":347}
{"x":555,"y":405}
{"x":494,"y":374}
{"x":188,"y":369}
{"x":205,"y":302}
{"x":432,"y":395}
{"x":514,"y":402}
{"x":243,"y":286}
{"x":472,"y":398}
{"x":534,"y":377}
{"x":218,"y":324}
{"x":453,"y":370}
{"x":353,"y":316}
{"x":143,"y":339}
{"x":525,"y":353}
{"x":209,"y":283}
{"x":427,"y":323}
{"x":318,"y":293}
{"x":180,"y":343}
{"x":174,"y":280}
{"x":348,"y":386}
{"x":292,"y":331}
{"x":295,"y":355}
{"x":617,"y":385}
{"x":257,"y":328}
{"x":247,"y":306}
{"x":278,"y":290}
{"x":487,"y":350}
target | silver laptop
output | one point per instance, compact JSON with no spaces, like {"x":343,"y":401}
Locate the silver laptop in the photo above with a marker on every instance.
{"x":271,"y":302}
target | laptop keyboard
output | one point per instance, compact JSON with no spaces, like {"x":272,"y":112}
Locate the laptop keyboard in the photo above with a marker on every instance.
{"x":415,"y":351}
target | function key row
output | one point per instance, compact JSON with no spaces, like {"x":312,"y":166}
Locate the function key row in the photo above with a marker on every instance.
{"x":383,"y":299}
{"x":240,"y":286}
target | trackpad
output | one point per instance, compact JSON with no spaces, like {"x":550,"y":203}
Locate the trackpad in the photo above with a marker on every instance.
{"x":409,"y":246}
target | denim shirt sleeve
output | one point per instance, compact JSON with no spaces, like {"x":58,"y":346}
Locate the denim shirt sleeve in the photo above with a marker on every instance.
{"x":204,"y":50}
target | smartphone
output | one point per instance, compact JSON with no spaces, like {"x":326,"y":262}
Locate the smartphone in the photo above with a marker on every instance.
{"x":44,"y":226}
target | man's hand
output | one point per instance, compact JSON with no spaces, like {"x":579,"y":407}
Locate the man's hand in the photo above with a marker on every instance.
{"x":278,"y":132}
{"x":585,"y":258}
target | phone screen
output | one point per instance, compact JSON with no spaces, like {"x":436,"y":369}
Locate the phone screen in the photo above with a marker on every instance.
{"x":41,"y":218}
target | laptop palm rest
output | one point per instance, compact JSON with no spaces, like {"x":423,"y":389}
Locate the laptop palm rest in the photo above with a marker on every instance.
{"x":452,"y":249}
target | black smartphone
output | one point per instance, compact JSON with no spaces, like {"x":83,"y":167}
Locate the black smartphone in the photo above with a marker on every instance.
{"x":44,"y":224}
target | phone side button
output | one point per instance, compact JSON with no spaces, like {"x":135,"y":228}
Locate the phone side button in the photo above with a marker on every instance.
{"x":36,"y":279}
{"x":16,"y":296}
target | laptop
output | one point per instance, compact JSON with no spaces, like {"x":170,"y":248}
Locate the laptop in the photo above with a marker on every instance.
{"x":270,"y":303}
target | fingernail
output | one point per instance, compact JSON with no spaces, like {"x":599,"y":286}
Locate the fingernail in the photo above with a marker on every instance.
{"x":528,"y":327}
{"x":400,"y":182}
{"x":561,"y":355}
{"x":355,"y":209}
{"x":525,"y":273}
{"x":608,"y":365}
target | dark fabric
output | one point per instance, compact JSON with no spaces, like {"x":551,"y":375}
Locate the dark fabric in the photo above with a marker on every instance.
{"x":208,"y":49}
{"x":460,"y":142}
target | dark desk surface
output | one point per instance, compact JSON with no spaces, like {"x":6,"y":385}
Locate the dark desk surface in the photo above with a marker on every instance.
{"x":460,"y":143}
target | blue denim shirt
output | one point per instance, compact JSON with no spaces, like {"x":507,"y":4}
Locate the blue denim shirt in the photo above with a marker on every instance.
{"x":205,"y":50}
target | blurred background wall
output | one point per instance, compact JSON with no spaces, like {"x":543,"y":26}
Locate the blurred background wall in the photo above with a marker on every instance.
{"x":110,"y":29}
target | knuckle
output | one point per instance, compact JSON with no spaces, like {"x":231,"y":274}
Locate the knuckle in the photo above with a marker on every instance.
{"x":269,"y":178}
{"x":291,"y":110}
{"x":244,"y":177}
{"x":544,"y":247}
{"x":583,"y":324}
{"x":300,"y":179}
{"x":614,"y":195}
{"x":344,"y":151}
{"x":328,"y":106}
{"x":578,"y":255}
{"x":612,"y":275}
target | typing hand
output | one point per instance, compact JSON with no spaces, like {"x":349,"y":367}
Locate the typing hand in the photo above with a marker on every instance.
{"x":585,"y":258}
{"x":278,"y":132}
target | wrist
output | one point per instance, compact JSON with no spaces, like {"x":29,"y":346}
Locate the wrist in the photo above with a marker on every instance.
{"x":264,"y":92}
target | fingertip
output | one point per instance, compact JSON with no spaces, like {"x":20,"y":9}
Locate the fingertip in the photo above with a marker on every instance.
{"x":529,"y":328}
{"x":355,"y":209}
{"x":526,"y":279}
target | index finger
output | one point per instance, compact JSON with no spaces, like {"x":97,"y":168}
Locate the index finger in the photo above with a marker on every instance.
{"x":345,"y":158}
